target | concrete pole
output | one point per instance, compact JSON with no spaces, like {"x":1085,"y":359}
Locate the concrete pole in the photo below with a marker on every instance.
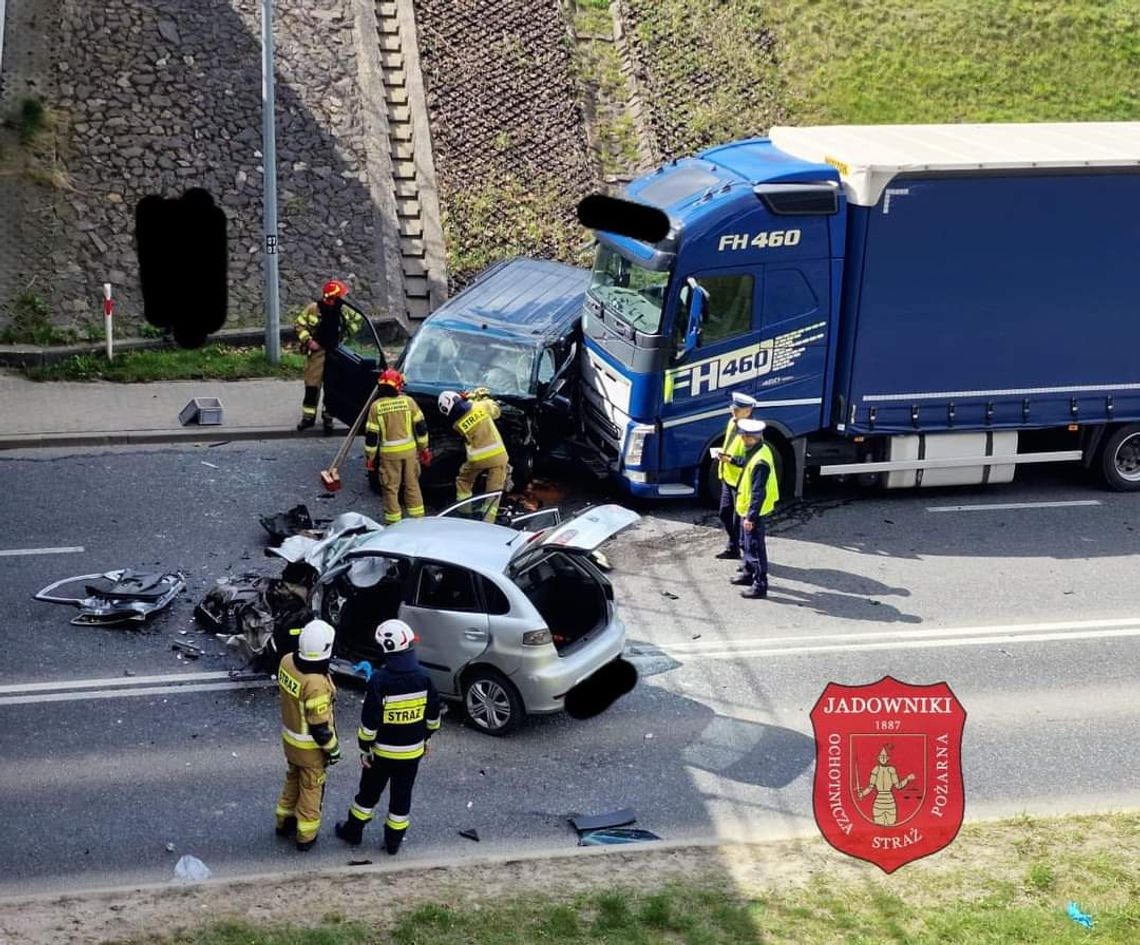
{"x":269,"y":161}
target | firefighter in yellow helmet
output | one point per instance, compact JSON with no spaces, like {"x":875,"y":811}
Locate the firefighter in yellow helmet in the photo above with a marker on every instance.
{"x":308,"y":732}
{"x":321,"y":327}
{"x":397,"y":430}
{"x":473,"y":417}
{"x":756,"y":497}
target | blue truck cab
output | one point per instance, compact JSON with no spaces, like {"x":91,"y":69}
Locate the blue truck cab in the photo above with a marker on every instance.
{"x":912,"y":305}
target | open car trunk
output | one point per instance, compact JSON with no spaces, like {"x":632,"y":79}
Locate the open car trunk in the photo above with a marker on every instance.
{"x":572,"y":596}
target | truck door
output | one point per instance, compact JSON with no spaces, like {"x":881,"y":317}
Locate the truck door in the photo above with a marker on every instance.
{"x":698,"y":385}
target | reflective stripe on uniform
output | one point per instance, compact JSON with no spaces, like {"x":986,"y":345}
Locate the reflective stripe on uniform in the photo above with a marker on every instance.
{"x":360,"y":813}
{"x":415,"y":511}
{"x":486,"y":451}
{"x":297,"y":739}
{"x":405,"y":699}
{"x":318,"y":703}
{"x":397,"y":821}
{"x":308,"y":826}
{"x":366,"y":734}
{"x":391,"y":518}
{"x":432,"y":725}
{"x":284,"y":811}
{"x":399,"y":752}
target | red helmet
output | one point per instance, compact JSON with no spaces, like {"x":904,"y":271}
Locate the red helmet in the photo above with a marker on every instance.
{"x":390,"y":377}
{"x":334,"y":289}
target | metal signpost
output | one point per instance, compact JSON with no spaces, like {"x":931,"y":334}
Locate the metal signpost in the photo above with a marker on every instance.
{"x":269,"y":161}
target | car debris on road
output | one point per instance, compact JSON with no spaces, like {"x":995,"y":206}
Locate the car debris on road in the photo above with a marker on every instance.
{"x":115,"y":597}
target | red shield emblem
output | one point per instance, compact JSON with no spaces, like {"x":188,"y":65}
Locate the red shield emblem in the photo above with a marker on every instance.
{"x":888,"y":770}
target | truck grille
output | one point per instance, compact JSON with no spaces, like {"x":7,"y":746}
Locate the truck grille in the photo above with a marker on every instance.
{"x":596,"y":416}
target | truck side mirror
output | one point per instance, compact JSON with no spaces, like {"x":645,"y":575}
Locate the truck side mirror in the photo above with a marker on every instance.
{"x":698,"y":305}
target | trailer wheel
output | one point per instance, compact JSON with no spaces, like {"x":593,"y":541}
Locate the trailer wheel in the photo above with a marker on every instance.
{"x":1120,"y":459}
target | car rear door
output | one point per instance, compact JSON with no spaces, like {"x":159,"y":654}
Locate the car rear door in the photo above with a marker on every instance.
{"x":351,"y":370}
{"x":447,"y":614}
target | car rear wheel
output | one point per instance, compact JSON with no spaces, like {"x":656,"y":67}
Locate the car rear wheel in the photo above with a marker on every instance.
{"x":1120,"y":459}
{"x":492,"y":703}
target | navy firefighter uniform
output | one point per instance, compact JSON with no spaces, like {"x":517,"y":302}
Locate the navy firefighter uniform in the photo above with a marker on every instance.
{"x":400,"y":715}
{"x":756,"y":497}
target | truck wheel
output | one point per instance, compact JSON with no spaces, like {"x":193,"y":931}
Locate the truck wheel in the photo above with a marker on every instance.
{"x":522,"y":470}
{"x":1120,"y":459}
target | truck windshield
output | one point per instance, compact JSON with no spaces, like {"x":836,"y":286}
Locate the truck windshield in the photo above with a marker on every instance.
{"x":634,"y":294}
{"x":464,"y":359}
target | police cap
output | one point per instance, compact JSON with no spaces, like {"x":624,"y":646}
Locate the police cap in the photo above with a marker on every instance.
{"x":750,"y":427}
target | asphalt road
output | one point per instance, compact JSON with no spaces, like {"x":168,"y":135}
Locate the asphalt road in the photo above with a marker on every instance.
{"x":1028,"y":613}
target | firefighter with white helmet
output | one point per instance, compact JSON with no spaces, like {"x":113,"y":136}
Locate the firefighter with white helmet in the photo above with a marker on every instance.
{"x":400,"y":715}
{"x":308,"y":731}
{"x":473,"y":417}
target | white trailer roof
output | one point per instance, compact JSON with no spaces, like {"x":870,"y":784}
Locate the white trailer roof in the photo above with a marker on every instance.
{"x":868,"y":157}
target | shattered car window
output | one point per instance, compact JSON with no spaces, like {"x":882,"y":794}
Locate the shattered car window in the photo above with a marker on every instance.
{"x":466,"y":360}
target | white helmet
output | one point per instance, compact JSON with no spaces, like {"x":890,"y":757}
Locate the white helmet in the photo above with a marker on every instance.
{"x":447,"y":401}
{"x":395,"y":636}
{"x":316,"y":641}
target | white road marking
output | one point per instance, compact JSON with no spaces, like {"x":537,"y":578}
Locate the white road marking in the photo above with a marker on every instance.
{"x":111,"y":682}
{"x":997,"y":506}
{"x":19,"y":552}
{"x":124,"y":693}
{"x":901,"y":639}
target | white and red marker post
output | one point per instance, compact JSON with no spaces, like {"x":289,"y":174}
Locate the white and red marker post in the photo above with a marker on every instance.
{"x":108,"y":309}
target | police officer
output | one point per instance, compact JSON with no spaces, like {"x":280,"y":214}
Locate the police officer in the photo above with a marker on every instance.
{"x":308,"y":732}
{"x":401,"y":713}
{"x":731,"y":466}
{"x":756,"y":496}
{"x":397,"y":429}
{"x":322,"y":326}
{"x":473,"y":417}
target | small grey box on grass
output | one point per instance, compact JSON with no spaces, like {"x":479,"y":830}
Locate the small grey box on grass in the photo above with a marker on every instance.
{"x":205,"y":411}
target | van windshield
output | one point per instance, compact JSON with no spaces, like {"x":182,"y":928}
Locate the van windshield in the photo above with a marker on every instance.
{"x":466,"y":360}
{"x":633,"y":293}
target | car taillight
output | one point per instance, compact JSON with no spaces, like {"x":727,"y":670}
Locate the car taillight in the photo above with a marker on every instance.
{"x":536,"y":638}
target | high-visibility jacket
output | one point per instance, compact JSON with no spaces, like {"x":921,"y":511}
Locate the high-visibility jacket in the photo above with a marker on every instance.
{"x":396,"y":426}
{"x":734,"y":447}
{"x":477,"y":427}
{"x":751,"y":502}
{"x":306,"y":703}
{"x":400,"y":714}
{"x":328,"y":324}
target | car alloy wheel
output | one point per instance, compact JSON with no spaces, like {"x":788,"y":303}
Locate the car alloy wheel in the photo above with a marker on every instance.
{"x":493,"y":706}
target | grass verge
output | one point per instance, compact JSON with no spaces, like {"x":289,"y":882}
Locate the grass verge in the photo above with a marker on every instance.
{"x":210,"y":362}
{"x":999,"y":884}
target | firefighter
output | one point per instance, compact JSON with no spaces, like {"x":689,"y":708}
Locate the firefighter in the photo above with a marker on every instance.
{"x":400,"y":715}
{"x":321,"y":327}
{"x":756,"y":496}
{"x":308,"y":732}
{"x":731,"y":465}
{"x":473,"y":417}
{"x":396,"y":427}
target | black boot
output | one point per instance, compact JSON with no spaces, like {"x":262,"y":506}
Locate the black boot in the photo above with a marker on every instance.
{"x":755,"y":592}
{"x":328,"y":422}
{"x":729,"y":553}
{"x":306,"y":845}
{"x":306,"y":422}
{"x":392,"y":840}
{"x":742,"y":579}
{"x":288,"y":827}
{"x":351,"y":831}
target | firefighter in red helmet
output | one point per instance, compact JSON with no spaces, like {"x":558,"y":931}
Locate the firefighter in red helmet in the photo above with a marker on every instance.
{"x":322,"y":326}
{"x":395,"y":436}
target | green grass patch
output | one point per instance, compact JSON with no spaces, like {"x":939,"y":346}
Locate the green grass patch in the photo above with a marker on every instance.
{"x":30,"y":323}
{"x":981,"y":894}
{"x":728,"y":70}
{"x":211,"y":362}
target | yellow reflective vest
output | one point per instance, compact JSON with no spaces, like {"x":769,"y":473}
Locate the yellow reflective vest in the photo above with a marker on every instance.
{"x":772,"y":487}
{"x":735,"y":449}
{"x":477,"y":427}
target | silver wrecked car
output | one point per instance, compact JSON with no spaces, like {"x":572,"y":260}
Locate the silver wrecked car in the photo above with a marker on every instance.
{"x":508,"y":620}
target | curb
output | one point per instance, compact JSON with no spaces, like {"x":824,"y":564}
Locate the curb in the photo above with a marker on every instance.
{"x":140,"y":437}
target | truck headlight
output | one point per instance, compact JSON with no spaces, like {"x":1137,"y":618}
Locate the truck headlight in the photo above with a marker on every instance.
{"x":635,"y":447}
